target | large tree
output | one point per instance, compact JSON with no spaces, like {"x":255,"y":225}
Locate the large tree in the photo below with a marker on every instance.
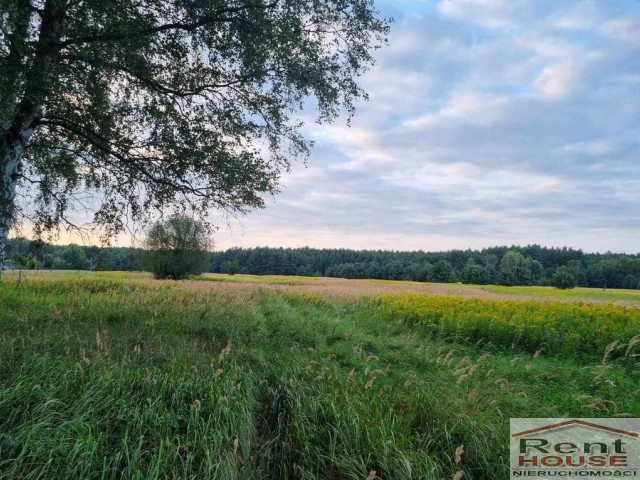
{"x":155,"y":104}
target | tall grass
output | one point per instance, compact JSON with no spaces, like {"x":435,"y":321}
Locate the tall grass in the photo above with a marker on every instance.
{"x":131,"y":378}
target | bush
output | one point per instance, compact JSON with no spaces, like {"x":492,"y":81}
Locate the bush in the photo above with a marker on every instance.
{"x":563,"y":280}
{"x":475,"y":274}
{"x":176,"y":248}
{"x":443,"y":272}
{"x":233,"y":268}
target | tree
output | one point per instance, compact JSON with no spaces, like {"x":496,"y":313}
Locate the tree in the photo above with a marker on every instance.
{"x":443,"y":272}
{"x":475,"y":274}
{"x":233,"y":268}
{"x":515,"y":269}
{"x":562,"y":279}
{"x":176,"y":248}
{"x":31,"y":262}
{"x":164,"y":103}
{"x":75,"y":257}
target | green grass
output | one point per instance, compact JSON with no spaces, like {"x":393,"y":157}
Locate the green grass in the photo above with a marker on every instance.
{"x":105,"y":378}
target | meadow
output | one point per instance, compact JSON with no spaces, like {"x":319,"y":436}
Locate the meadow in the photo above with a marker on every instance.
{"x":115,"y":375}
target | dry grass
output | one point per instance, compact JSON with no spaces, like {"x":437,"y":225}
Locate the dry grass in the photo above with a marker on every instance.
{"x":240,"y":288}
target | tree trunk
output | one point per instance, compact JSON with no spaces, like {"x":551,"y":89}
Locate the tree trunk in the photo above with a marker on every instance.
{"x":10,"y":155}
{"x":18,"y":119}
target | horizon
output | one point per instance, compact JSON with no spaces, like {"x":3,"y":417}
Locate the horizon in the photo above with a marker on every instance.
{"x":418,"y":250}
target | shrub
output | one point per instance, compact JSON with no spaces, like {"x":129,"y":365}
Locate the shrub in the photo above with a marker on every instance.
{"x":476,"y":274}
{"x":563,"y":280}
{"x":176,"y":248}
{"x":233,"y":268}
{"x":443,"y":272}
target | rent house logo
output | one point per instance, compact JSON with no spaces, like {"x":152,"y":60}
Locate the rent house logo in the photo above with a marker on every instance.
{"x":570,"y":448}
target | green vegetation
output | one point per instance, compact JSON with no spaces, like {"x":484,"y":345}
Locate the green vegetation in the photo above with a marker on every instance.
{"x":558,"y":328}
{"x":576,"y":293}
{"x":529,"y":265}
{"x":562,"y":279}
{"x":116,"y":376}
{"x":509,"y":266}
{"x":233,"y":268}
{"x":176,"y":248}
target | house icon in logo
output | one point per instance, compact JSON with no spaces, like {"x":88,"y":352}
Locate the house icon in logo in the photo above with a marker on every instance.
{"x":575,"y":422}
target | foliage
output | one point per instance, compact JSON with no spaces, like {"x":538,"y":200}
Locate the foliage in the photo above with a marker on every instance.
{"x":562,"y":279}
{"x":557,"y":328}
{"x":157,"y":380}
{"x":590,"y":269}
{"x":475,"y":274}
{"x":170,"y":104}
{"x":176,"y":248}
{"x":233,"y":268}
{"x":75,"y":257}
{"x":443,"y":272}
{"x":31,"y":263}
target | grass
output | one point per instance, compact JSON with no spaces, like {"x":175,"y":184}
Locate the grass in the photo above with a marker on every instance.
{"x":118,"y":376}
{"x":578,"y":292}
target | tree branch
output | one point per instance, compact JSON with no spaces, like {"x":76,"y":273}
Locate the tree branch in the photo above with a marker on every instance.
{"x":217,"y":16}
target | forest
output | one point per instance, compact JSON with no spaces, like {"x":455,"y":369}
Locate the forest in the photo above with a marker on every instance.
{"x":504,"y":265}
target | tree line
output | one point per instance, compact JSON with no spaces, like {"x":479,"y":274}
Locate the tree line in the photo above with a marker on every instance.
{"x":514,"y":265}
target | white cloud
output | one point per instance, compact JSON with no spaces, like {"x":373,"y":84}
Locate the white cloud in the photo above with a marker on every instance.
{"x":594,"y":148}
{"x":465,"y":107}
{"x":488,"y":13}
{"x":582,"y":15}
{"x":473,"y":185}
{"x":558,"y":81}
{"x":626,"y":29}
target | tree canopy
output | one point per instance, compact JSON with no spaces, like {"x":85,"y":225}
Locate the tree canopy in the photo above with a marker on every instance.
{"x":176,"y":248}
{"x":602,"y":270}
{"x":156,"y":104}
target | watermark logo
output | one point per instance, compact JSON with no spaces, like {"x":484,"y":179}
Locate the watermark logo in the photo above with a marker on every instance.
{"x":575,"y":447}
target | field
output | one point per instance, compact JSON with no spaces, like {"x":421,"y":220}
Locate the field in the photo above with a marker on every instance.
{"x":115,"y":375}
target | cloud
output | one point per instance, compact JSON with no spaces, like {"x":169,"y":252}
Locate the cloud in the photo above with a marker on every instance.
{"x":489,"y":13}
{"x":558,"y":81}
{"x":626,"y":29}
{"x":465,"y":107}
{"x":594,"y":148}
{"x":579,"y":16}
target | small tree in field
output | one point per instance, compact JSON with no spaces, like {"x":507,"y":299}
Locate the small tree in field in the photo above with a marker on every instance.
{"x":233,"y":268}
{"x":176,"y":248}
{"x":562,"y":279}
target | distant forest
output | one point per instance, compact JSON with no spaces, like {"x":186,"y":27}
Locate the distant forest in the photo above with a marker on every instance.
{"x":530,"y":265}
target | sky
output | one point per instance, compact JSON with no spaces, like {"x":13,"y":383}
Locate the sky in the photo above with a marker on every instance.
{"x":490,"y":122}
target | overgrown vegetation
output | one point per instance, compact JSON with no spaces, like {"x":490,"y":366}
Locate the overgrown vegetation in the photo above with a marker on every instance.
{"x":115,"y":376}
{"x":176,"y":248}
{"x":530,"y":265}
